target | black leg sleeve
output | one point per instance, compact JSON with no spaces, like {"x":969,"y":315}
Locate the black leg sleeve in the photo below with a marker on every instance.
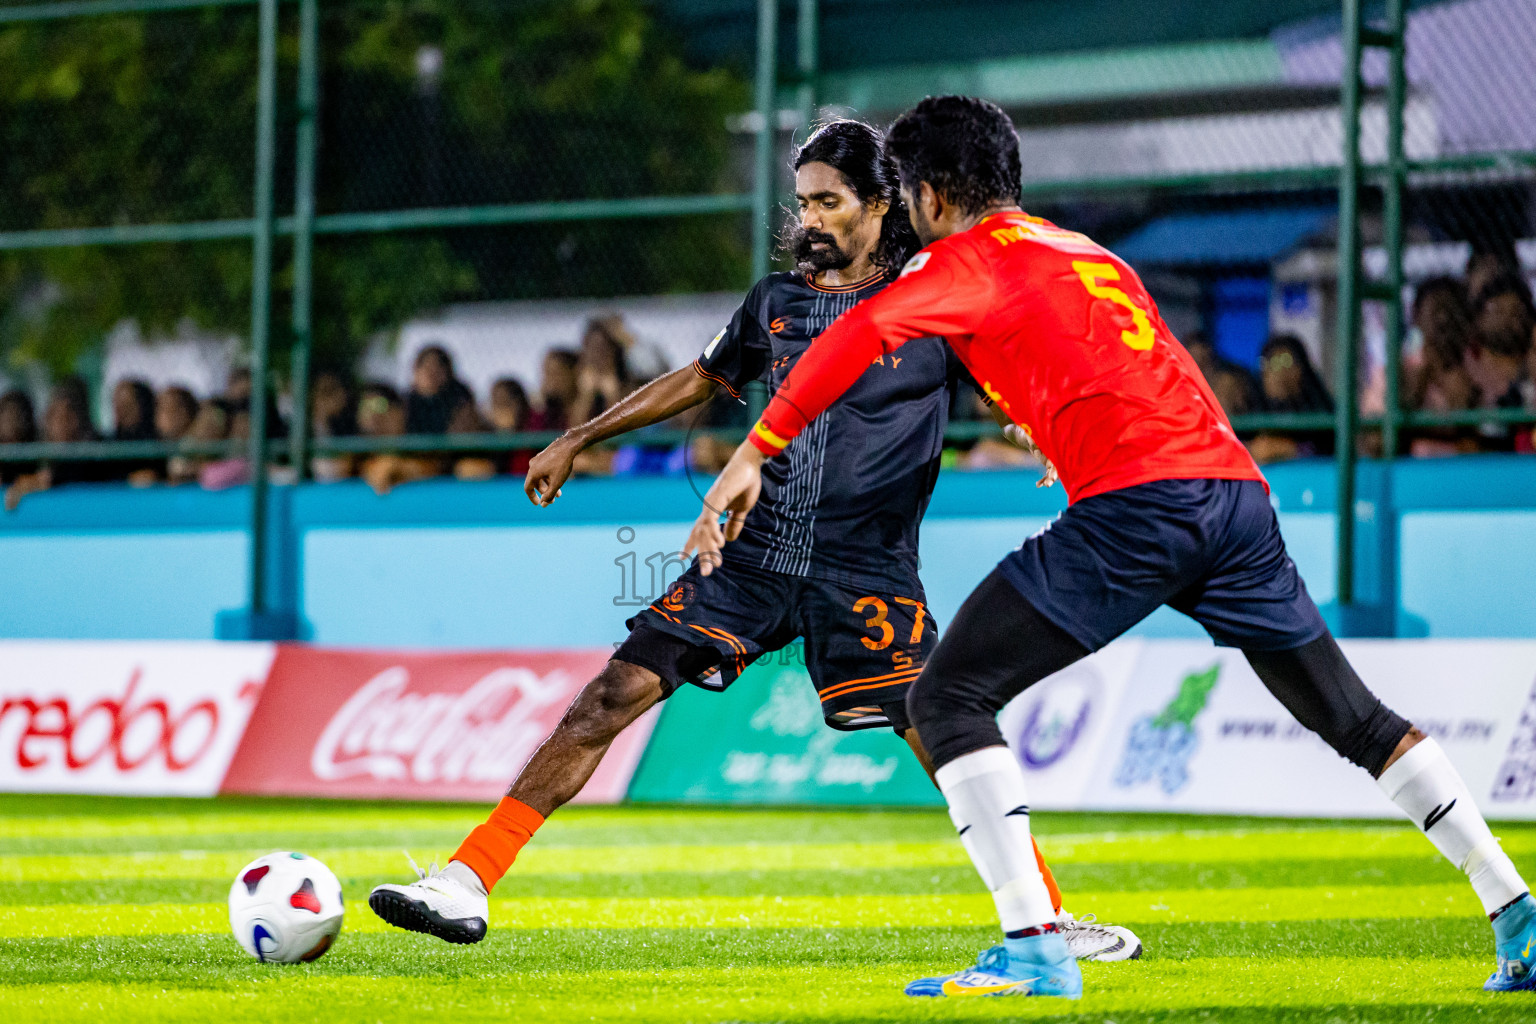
{"x":997,"y":647}
{"x":1319,"y":687}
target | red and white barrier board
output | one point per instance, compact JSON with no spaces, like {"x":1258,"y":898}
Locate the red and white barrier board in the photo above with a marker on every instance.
{"x":417,"y":726}
{"x":132,"y":718}
{"x":195,"y":719}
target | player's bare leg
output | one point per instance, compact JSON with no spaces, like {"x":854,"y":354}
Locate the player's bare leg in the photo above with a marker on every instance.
{"x":453,"y":903}
{"x":606,"y":706}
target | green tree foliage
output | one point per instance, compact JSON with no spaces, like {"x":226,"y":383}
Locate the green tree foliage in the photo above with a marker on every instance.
{"x":150,"y":119}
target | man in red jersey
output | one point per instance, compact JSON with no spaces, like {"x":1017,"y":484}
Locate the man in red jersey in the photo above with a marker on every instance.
{"x":1166,"y":508}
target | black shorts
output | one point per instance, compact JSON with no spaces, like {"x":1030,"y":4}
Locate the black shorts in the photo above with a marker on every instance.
{"x":1208,"y":548}
{"x":863,"y":649}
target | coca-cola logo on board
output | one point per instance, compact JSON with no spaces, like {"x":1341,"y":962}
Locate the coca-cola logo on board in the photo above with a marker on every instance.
{"x":484,"y":734}
{"x":128,"y":731}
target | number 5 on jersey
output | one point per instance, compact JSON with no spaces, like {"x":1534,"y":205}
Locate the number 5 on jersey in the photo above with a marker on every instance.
{"x":1092,"y":273}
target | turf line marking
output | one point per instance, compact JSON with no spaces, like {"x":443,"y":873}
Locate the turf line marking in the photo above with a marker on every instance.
{"x":386,"y":862}
{"x":873,"y":992}
{"x":1163,"y":906}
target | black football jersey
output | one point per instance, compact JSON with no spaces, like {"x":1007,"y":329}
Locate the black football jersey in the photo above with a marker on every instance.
{"x":844,"y":500}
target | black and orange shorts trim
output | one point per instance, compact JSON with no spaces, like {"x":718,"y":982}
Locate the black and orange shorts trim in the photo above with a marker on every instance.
{"x":863,"y":647}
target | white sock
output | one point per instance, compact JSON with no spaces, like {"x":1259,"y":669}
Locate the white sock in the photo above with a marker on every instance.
{"x":1429,"y":789}
{"x":465,"y":876}
{"x":988,"y":804}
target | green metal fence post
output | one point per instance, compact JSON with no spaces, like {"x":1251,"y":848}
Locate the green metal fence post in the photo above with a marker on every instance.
{"x":1378,"y":615}
{"x":261,"y":297}
{"x":1388,"y":553}
{"x":1393,"y":186}
{"x":1348,"y":332}
{"x":807,"y":57}
{"x":304,"y":230}
{"x":763,"y":166}
{"x":256,"y":621}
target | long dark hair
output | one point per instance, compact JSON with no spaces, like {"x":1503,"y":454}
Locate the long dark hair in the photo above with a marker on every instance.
{"x":857,"y":152}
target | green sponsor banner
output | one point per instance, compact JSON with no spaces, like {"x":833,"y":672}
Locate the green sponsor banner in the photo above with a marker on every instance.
{"x":763,"y":741}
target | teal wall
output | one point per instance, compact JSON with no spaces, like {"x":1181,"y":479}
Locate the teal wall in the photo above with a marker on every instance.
{"x":448,"y":564}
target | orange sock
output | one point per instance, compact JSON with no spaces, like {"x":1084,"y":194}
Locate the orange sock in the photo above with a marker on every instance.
{"x":490,"y":849}
{"x":1050,"y":879}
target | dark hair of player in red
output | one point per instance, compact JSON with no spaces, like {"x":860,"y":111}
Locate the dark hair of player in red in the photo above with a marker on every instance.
{"x":965,"y":147}
{"x":857,"y":152}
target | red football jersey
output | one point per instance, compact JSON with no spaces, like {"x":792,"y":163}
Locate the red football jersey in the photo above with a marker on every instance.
{"x":1060,"y":333}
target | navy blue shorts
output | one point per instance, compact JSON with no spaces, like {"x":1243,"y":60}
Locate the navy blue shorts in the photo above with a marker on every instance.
{"x":1208,"y":548}
{"x":863,"y":646}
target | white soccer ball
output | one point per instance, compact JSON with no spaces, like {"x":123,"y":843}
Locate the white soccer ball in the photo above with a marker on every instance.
{"x":285,"y":907}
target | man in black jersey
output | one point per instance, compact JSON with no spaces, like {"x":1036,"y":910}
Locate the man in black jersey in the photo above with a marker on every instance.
{"x":829,"y":554}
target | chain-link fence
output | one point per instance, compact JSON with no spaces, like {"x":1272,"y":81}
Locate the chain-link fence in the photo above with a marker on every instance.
{"x":560,"y":200}
{"x":1226,"y":198}
{"x":468,"y":154}
{"x":125,"y":119}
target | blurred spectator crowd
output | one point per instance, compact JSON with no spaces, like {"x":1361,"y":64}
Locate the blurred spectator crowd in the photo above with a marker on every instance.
{"x":575,"y":385}
{"x":1472,"y":346}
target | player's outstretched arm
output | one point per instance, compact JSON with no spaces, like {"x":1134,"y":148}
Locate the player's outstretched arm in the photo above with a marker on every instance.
{"x":734,"y":493}
{"x":661,"y":399}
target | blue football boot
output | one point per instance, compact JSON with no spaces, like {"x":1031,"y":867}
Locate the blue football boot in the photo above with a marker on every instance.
{"x":1515,"y":931}
{"x":1039,"y":965}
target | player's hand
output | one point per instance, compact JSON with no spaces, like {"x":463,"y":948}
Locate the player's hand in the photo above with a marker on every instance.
{"x":734,"y":493}
{"x":1016,"y":434}
{"x":549,"y":470}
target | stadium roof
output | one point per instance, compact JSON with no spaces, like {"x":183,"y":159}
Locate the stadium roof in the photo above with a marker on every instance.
{"x":1223,"y":239}
{"x":872,"y":33}
{"x":1043,"y":59}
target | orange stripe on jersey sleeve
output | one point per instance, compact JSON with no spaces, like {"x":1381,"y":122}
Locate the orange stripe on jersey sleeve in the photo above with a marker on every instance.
{"x":698,"y":368}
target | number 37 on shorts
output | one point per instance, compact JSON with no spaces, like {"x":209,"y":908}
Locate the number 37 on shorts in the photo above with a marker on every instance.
{"x":883,"y":632}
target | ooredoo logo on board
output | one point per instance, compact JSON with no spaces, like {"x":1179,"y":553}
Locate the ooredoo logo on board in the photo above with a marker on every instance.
{"x":124,"y":717}
{"x":444,"y":726}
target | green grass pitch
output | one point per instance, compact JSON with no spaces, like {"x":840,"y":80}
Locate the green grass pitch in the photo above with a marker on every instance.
{"x":113,"y":909}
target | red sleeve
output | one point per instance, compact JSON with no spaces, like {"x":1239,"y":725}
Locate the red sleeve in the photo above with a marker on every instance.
{"x":945,"y":290}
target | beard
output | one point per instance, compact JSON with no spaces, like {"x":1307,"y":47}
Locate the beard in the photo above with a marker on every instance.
{"x":809,"y":260}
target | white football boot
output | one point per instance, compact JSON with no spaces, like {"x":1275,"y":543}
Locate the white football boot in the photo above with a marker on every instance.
{"x":435,"y":903}
{"x":1089,"y":940}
